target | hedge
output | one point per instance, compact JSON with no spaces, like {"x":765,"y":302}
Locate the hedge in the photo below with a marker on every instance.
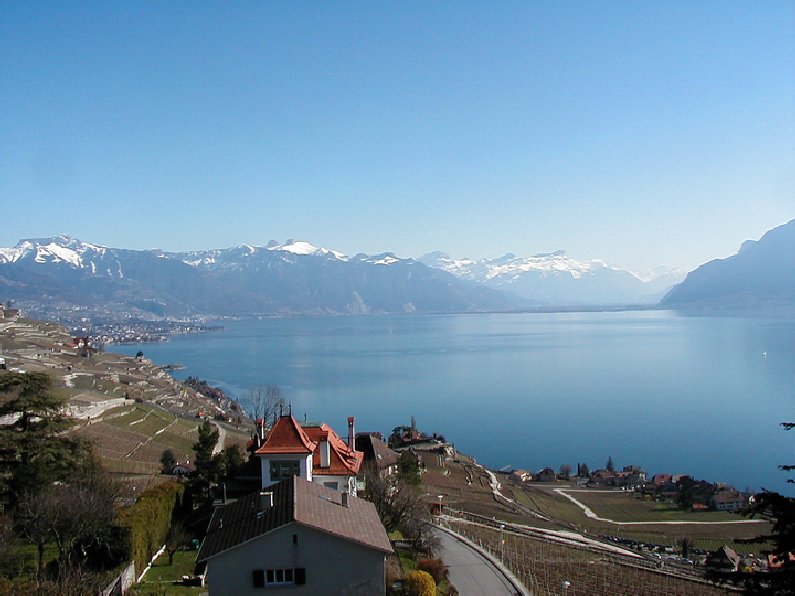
{"x":148,"y":521}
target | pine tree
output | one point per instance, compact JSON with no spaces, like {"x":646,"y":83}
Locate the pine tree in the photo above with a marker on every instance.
{"x":34,"y":452}
{"x":168,"y":460}
{"x":206,"y":466}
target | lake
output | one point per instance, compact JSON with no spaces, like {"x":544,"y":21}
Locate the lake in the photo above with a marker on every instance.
{"x":672,"y":393}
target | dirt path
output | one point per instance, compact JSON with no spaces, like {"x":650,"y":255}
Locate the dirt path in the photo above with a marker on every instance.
{"x":219,"y":445}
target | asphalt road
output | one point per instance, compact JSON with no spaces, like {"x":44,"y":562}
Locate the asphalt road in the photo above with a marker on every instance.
{"x":470,"y":573}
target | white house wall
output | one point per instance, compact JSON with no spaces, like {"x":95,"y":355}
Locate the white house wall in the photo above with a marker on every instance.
{"x":333,"y":565}
{"x":265,"y":466}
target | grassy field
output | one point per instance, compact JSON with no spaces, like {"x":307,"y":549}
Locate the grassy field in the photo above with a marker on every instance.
{"x":623,"y":507}
{"x":160,"y":578}
{"x":627,"y":507}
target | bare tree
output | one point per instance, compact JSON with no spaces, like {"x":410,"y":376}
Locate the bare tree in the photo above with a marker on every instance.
{"x":177,"y":537}
{"x":266,"y":403}
{"x":400,"y":506}
{"x":76,"y":516}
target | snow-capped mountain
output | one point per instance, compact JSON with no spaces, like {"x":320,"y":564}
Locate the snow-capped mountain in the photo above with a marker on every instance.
{"x":290,"y":278}
{"x":557,"y":279}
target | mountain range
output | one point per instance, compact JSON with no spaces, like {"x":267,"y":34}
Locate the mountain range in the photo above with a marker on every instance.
{"x":295,"y":277}
{"x":557,"y":279}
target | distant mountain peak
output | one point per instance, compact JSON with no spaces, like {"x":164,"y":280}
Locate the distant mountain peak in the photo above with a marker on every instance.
{"x":302,"y":247}
{"x":555,"y":278}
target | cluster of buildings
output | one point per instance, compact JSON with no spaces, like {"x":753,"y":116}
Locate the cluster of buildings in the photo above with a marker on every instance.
{"x":706,"y":495}
{"x":305,"y":529}
{"x":628,"y":478}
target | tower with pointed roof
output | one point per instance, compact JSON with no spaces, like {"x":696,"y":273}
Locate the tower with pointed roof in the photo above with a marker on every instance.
{"x":313,"y":452}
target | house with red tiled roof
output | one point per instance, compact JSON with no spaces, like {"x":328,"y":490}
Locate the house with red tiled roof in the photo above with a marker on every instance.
{"x":298,"y":537}
{"x":312,"y":451}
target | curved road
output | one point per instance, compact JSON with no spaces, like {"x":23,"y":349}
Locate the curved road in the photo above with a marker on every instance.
{"x":470,"y":572}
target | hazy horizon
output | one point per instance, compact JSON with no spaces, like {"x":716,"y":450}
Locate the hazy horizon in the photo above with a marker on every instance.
{"x":640,"y":134}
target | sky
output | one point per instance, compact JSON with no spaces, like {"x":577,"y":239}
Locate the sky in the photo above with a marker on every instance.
{"x":640,"y":133}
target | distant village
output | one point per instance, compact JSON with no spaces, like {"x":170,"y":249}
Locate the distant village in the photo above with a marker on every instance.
{"x":695,"y":495}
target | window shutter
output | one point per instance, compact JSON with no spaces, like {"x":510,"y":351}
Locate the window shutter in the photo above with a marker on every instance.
{"x":259,"y":578}
{"x":300,"y":576}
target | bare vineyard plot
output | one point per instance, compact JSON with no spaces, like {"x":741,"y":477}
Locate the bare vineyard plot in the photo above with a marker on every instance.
{"x":548,"y":568}
{"x":111,"y":439}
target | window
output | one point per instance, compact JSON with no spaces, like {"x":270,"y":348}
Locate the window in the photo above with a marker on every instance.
{"x":264,"y":578}
{"x":281,"y":470}
{"x":332,"y":485}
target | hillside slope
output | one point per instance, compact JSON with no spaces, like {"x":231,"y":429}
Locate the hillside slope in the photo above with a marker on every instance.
{"x":760,"y":275}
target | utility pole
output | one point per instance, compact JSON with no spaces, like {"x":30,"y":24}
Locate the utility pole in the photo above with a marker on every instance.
{"x":502,"y":543}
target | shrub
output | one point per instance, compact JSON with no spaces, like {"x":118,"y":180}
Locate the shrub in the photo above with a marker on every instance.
{"x":148,"y":521}
{"x":420,"y":583}
{"x":434,"y":567}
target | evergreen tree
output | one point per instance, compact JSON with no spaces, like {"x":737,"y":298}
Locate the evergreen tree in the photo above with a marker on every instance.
{"x":34,"y":452}
{"x":610,"y":467}
{"x":206,"y":465}
{"x":686,"y":488}
{"x":168,"y":460}
{"x":409,"y":468}
{"x":233,"y":460}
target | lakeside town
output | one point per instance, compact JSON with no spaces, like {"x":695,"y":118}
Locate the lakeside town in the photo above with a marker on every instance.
{"x":149,"y":429}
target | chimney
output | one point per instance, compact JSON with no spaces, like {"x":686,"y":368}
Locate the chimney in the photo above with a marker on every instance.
{"x":265,"y":500}
{"x":325,"y":453}
{"x":345,"y":498}
{"x":351,"y":434}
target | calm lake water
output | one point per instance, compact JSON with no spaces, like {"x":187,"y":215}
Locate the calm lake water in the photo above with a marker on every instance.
{"x":672,"y":393}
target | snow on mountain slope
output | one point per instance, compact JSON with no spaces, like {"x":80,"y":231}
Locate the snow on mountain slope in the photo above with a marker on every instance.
{"x":59,"y":249}
{"x":554,"y":278}
{"x":510,"y":265}
{"x":301,"y":247}
{"x":291,"y":278}
{"x":548,"y":278}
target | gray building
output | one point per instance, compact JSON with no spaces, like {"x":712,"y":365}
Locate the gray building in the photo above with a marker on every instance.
{"x":296,"y":537}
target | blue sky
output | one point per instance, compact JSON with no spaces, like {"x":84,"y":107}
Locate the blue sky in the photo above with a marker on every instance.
{"x":641,"y":133}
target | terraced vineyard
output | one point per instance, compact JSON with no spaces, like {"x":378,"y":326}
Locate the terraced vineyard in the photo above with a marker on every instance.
{"x":131,"y":440}
{"x":549,"y":568}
